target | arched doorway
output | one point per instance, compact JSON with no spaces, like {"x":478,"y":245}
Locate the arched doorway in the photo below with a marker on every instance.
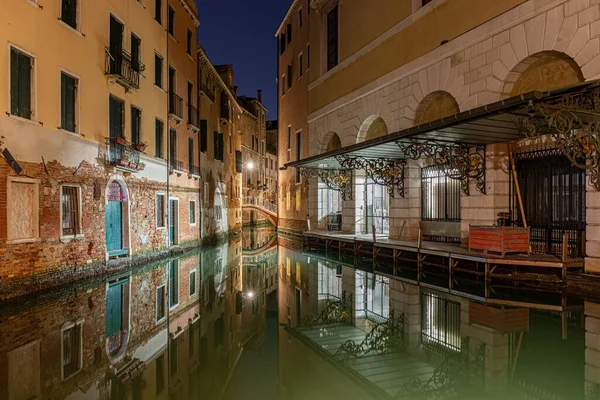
{"x":330,"y":201}
{"x":117,"y":219}
{"x":372,"y":199}
{"x":552,"y":188}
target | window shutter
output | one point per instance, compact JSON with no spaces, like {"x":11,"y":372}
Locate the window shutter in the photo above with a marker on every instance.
{"x":159,"y":138}
{"x":63,"y":102}
{"x":203,"y":135}
{"x":14,"y":82}
{"x":25,"y":86}
{"x":70,"y":106}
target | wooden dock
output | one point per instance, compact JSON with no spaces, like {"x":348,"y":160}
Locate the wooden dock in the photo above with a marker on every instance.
{"x":391,"y":256}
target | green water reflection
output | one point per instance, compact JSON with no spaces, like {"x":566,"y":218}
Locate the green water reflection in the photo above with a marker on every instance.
{"x":254,"y":319}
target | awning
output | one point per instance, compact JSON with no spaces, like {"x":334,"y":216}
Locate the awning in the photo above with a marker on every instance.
{"x":459,"y":140}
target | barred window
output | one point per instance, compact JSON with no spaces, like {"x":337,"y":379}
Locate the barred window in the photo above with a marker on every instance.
{"x":440,"y":322}
{"x":440,"y":195}
{"x":70,"y":211}
{"x":71,"y":344}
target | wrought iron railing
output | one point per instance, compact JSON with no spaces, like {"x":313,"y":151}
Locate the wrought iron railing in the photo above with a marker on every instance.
{"x":337,"y":311}
{"x":175,"y":105}
{"x":385,"y":337}
{"x":176,"y":164}
{"x":120,"y":66}
{"x":124,"y":154}
{"x":209,"y":93}
{"x":459,"y":375}
{"x":194,"y":170}
{"x":260,"y":203}
{"x":193,"y":116}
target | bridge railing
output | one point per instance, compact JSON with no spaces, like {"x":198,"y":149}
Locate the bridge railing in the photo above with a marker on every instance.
{"x":262,"y":203}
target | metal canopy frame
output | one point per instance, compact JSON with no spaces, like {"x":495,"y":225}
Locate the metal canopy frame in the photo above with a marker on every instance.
{"x":571,"y":115}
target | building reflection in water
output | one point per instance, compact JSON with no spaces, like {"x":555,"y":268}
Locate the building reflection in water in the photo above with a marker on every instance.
{"x":177,"y":330}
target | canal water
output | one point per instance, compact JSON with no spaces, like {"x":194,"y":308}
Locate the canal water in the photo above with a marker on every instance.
{"x":255,"y":319}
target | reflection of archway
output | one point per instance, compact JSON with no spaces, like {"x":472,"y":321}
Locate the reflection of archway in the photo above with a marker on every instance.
{"x":117,"y":318}
{"x":373,"y":127}
{"x":436,"y":105}
{"x":548,"y":177}
{"x":330,"y":201}
{"x":372,"y":202}
{"x":117,"y":218}
{"x":220,"y":212}
{"x":541,"y":71}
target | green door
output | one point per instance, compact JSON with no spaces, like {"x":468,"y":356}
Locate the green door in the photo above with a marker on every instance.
{"x":114,"y":308}
{"x":114,"y":226}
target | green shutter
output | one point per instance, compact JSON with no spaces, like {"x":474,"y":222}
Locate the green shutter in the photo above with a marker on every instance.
{"x":63,"y":101}
{"x":114,"y":309}
{"x":20,"y":84}
{"x":14,"y":81}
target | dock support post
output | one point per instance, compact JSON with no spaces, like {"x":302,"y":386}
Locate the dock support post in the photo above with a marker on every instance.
{"x":565,"y":255}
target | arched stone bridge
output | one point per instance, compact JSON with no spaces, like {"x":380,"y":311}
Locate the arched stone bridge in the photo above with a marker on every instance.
{"x":264,"y":206}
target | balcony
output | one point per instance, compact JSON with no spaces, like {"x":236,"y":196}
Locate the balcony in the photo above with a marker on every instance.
{"x":120,"y":67}
{"x":175,"y":107}
{"x":193,"y":118}
{"x":194,"y":170}
{"x":123,"y":155}
{"x":207,"y":92}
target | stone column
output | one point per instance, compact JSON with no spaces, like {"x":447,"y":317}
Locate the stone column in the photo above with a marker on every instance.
{"x":406,"y":299}
{"x":405,"y":212}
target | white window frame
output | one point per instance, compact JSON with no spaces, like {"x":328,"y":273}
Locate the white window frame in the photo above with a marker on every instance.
{"x":165,"y":212}
{"x":80,"y":234}
{"x":165,"y":304}
{"x":194,"y":271}
{"x":33,"y":99}
{"x":36,"y":206}
{"x":195,"y":213}
{"x":77,"y":29}
{"x":64,"y":327}
{"x":61,"y":71}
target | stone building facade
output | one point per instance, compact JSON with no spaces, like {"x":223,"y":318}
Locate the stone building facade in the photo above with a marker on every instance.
{"x":501,"y":49}
{"x":294,"y":64}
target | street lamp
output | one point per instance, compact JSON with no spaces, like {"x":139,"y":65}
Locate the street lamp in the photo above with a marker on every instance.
{"x":248,"y":164}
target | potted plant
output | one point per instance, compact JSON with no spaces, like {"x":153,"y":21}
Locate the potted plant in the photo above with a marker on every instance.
{"x":140,"y":146}
{"x":120,"y":140}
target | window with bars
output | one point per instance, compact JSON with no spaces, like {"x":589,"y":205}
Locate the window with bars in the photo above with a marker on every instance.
{"x":160,"y":302}
{"x":440,"y":322}
{"x":440,"y":195}
{"x":68,"y":101}
{"x":69,"y":13}
{"x":70,"y":211}
{"x":136,"y":125}
{"x":160,"y":210}
{"x":332,"y":38}
{"x":20,"y":83}
{"x":71,"y":346}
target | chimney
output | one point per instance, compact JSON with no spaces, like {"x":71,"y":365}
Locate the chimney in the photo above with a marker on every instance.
{"x":235,"y":90}
{"x":259,"y":95}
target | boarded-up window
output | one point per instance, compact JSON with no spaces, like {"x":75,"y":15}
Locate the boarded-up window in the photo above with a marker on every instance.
{"x":23,"y":210}
{"x":70,"y":211}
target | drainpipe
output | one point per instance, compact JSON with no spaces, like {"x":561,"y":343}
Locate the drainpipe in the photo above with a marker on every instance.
{"x":168,"y":138}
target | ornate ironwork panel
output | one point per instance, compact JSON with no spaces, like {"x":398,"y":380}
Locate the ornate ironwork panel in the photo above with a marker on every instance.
{"x":382,"y":171}
{"x":337,"y":311}
{"x":461,"y":161}
{"x":571,"y":123}
{"x":335,"y":179}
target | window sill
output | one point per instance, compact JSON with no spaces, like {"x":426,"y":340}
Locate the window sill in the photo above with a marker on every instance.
{"x":161,"y":228}
{"x":69,"y":27}
{"x":69,"y":238}
{"x":33,"y":3}
{"x":160,"y":321}
{"x":173,"y":37}
{"x":160,"y":88}
{"x":25,"y":120}
{"x":20,"y":241}
{"x":174,"y":307}
{"x":68,"y":132}
{"x":72,"y":375}
{"x":190,"y":57}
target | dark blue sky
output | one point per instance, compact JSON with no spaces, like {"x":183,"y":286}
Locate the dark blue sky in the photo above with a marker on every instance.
{"x":242,"y":33}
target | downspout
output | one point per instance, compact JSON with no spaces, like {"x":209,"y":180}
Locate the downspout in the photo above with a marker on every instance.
{"x":168,"y":138}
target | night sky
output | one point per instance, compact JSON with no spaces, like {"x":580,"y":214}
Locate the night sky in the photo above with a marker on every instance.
{"x":242,"y":33}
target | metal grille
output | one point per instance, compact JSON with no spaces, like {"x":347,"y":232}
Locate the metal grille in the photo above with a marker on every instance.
{"x":553,"y":193}
{"x":440,"y":195}
{"x":440,"y":322}
{"x":70,"y":210}
{"x":378,"y":298}
{"x":71,"y":350}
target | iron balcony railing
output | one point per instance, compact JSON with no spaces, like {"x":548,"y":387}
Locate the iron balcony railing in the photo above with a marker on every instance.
{"x":193,"y":117}
{"x":207,"y":92}
{"x":194,"y":170}
{"x":124,"y":155}
{"x":176,"y":164}
{"x":125,"y":70}
{"x":175,"y":106}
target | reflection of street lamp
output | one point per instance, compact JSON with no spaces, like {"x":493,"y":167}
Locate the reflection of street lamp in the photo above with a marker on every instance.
{"x":250,"y":294}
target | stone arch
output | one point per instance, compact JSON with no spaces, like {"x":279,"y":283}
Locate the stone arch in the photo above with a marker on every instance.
{"x":542,"y":71}
{"x":436,"y":105}
{"x":332,"y":142}
{"x":373,"y":127}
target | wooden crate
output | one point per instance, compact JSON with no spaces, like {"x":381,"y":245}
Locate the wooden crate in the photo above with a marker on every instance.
{"x":498,"y":240}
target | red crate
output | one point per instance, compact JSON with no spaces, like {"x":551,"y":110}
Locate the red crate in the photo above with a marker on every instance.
{"x":498,"y":240}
